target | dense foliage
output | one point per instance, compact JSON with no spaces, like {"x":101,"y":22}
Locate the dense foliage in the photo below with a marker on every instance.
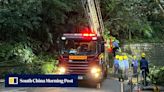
{"x":19,"y":58}
{"x":134,"y":19}
{"x":156,"y":75}
{"x":29,"y":30}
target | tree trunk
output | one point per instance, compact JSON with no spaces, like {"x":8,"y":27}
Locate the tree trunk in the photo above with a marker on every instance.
{"x":130,"y":35}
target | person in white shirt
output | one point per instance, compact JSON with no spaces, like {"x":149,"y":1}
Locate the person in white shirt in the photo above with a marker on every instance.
{"x":121,"y":69}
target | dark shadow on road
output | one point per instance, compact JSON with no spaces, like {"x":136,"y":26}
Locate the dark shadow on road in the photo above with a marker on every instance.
{"x":86,"y":84}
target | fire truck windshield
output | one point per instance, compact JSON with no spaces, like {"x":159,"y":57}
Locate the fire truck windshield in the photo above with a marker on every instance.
{"x":78,"y":47}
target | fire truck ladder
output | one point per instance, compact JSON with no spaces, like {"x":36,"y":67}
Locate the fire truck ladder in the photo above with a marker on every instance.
{"x":93,"y":13}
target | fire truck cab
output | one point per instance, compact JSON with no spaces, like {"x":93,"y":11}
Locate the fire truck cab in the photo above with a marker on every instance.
{"x":83,"y":54}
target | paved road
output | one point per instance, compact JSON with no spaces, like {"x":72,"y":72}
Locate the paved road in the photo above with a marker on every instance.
{"x":109,"y":85}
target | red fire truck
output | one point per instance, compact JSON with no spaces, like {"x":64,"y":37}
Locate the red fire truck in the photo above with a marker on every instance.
{"x":83,"y":54}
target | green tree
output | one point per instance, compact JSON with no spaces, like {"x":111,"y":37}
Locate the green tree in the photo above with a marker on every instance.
{"x":130,"y":17}
{"x":29,"y":30}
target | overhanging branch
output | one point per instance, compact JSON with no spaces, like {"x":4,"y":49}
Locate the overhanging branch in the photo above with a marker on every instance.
{"x":160,"y":6}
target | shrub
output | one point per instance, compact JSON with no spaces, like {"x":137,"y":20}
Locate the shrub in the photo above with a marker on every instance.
{"x":18,"y":58}
{"x":156,"y":75}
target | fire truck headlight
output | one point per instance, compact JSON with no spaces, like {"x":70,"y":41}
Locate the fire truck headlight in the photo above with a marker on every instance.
{"x":95,"y":70}
{"x":96,"y":75}
{"x":62,"y":70}
{"x":63,"y":38}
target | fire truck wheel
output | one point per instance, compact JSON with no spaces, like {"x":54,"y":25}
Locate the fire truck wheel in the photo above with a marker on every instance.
{"x":96,"y":85}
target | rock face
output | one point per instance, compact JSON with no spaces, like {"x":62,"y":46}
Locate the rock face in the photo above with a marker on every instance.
{"x":154,"y":51}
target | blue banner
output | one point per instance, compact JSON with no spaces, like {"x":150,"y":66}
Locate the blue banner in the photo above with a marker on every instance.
{"x":13,"y":80}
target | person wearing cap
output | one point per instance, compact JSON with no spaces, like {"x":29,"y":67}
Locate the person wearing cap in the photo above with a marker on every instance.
{"x":121,"y":68}
{"x":126,"y":63}
{"x":134,"y":64}
{"x":116,"y":65}
{"x":144,"y":65}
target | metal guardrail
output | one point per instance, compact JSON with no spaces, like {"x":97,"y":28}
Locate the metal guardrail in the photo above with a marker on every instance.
{"x":136,"y":85}
{"x":139,"y":87}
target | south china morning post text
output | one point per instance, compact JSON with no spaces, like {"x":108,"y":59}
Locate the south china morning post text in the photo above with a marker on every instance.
{"x":60,"y":81}
{"x":41,"y":81}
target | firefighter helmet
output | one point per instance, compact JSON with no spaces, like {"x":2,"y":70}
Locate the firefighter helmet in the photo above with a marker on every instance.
{"x":120,"y":58}
{"x":125,"y":57}
{"x":134,"y":57}
{"x":143,"y":55}
{"x":117,"y":57}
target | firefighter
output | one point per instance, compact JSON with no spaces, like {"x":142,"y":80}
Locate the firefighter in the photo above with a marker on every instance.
{"x":115,"y":44}
{"x":116,"y":65}
{"x":144,"y":66}
{"x":126,"y":62}
{"x":135,"y":65}
{"x":121,"y":69}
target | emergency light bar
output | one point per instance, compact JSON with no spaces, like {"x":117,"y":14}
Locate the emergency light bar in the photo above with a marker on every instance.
{"x":85,"y":36}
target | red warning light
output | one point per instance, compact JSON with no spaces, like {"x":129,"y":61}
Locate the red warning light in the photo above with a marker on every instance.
{"x":89,"y":36}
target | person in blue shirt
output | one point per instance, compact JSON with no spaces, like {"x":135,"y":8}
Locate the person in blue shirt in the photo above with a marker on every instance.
{"x":144,"y":66}
{"x":115,"y":44}
{"x":126,"y":62}
{"x":135,"y":65}
{"x":121,"y":69}
{"x":116,"y":65}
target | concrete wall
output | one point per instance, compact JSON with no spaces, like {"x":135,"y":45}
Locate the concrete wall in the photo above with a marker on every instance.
{"x":154,"y":51}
